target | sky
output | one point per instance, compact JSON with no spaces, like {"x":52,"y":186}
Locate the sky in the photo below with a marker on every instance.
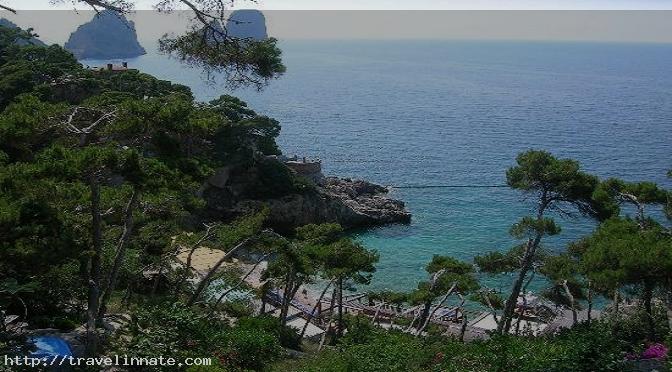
{"x":639,"y":25}
{"x":399,"y":4}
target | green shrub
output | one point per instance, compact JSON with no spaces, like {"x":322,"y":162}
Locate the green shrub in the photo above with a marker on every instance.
{"x":248,"y":348}
{"x":368,"y":348}
{"x":174,"y":330}
{"x":287,"y":336}
{"x":238,"y":308}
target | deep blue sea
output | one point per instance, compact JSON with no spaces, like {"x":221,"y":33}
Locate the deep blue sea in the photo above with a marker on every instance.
{"x":457,"y":113}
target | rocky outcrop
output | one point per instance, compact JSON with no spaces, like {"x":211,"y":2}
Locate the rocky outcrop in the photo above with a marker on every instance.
{"x":351,"y":203}
{"x":247,"y":23}
{"x":107,"y":36}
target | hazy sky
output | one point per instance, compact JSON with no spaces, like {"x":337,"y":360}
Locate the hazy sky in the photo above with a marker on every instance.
{"x":403,"y":4}
{"x":54,"y":26}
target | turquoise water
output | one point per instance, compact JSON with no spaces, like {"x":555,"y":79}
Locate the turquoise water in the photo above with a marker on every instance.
{"x":457,"y":113}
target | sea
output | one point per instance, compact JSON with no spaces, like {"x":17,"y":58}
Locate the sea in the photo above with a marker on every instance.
{"x":439,"y":122}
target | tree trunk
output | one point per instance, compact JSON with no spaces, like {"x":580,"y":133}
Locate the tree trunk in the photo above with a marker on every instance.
{"x":312,"y":313}
{"x":415,"y":317}
{"x":647,"y":297}
{"x":3,"y":324}
{"x":157,"y":281}
{"x":572,"y":305}
{"x":237,"y":285}
{"x":329,"y":321}
{"x":187,"y":265}
{"x":640,"y":208}
{"x":375,"y":315}
{"x":262,"y":311}
{"x":669,"y":306}
{"x":526,"y":265}
{"x":286,"y":297}
{"x":616,"y":302}
{"x":524,"y":292}
{"x":520,"y":316}
{"x":510,"y":305}
{"x":94,"y":267}
{"x":463,"y":329}
{"x":443,"y":300}
{"x":206,"y":280}
{"x":492,"y":308}
{"x":424,"y":315}
{"x":119,"y":255}
{"x":128,"y":295}
{"x":590,"y":302}
{"x":339,"y":332}
{"x":292,"y":294}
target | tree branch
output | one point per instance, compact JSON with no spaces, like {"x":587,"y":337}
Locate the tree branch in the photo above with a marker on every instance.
{"x":312,"y":312}
{"x":119,"y":255}
{"x":187,"y":265}
{"x":429,"y":318}
{"x":240,"y":282}
{"x":105,"y":5}
{"x":7,"y":8}
{"x":206,"y":280}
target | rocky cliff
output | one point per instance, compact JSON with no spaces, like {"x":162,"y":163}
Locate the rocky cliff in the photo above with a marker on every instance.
{"x":351,"y":203}
{"x":107,"y":36}
{"x":247,"y":23}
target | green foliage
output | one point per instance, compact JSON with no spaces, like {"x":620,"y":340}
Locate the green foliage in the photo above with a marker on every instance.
{"x":383,"y":352}
{"x":556,"y":182}
{"x":645,"y":192}
{"x":62,"y":126}
{"x":623,"y":253}
{"x":527,"y":227}
{"x":614,"y":192}
{"x":620,"y":249}
{"x":274,"y":180}
{"x":171,"y":329}
{"x":560,"y":267}
{"x":488,"y":298}
{"x":233,"y":108}
{"x":238,"y":308}
{"x":321,"y":234}
{"x":632,"y":329}
{"x":244,"y":62}
{"x":25,"y":128}
{"x":348,"y":260}
{"x":242,"y":228}
{"x":452,"y":271}
{"x":27,"y":68}
{"x":581,"y":349}
{"x":360,"y":330}
{"x":389,"y":297}
{"x":448,"y":276}
{"x":286,"y":336}
{"x":563,"y":269}
{"x":507,"y":262}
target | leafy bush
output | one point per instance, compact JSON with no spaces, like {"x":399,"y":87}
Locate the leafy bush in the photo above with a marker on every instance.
{"x":238,"y":308}
{"x":372,"y":349}
{"x":247,"y":348}
{"x":174,"y":330}
{"x":286,"y":335}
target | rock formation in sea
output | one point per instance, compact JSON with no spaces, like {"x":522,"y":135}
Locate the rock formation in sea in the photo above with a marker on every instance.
{"x":34,"y":41}
{"x":247,"y":23}
{"x":107,"y":36}
{"x":351,"y":203}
